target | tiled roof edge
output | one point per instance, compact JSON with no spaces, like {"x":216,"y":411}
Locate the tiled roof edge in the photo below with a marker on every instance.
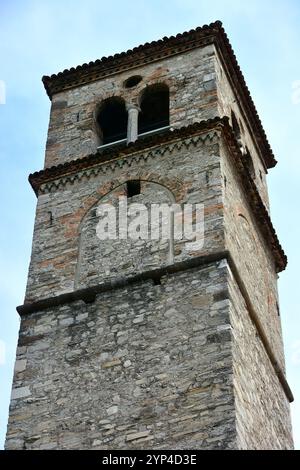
{"x":156,"y":50}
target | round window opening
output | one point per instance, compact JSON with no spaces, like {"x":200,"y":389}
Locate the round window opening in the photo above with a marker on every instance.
{"x":132,"y":81}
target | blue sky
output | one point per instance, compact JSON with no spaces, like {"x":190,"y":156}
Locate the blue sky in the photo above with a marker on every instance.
{"x":41,"y":37}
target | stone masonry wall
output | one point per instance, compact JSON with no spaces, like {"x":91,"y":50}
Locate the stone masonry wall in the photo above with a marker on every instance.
{"x":175,"y":365}
{"x":99,"y":260}
{"x":251,"y":254}
{"x":262,"y":409}
{"x":193,"y":97}
{"x":199,"y":90}
{"x":145,"y":366}
{"x":189,"y":170}
{"x":229,"y":101}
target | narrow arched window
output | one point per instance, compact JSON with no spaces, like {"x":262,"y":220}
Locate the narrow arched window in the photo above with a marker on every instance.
{"x":154,"y":106}
{"x":235,"y":126}
{"x":112,"y":120}
{"x":249,"y":163}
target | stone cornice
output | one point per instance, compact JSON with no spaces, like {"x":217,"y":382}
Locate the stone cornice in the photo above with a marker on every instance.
{"x":143,"y":148}
{"x":119,"y":161}
{"x":152,"y":146}
{"x":262,"y":216}
{"x":89,"y":294}
{"x":158,"y":50}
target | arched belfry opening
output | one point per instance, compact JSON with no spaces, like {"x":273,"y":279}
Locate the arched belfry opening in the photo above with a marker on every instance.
{"x":112,"y":120}
{"x":236,"y":127}
{"x":154,"y":105}
{"x":249,"y":163}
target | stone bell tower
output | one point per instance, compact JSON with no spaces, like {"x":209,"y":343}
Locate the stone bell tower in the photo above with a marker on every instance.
{"x":132,"y":344}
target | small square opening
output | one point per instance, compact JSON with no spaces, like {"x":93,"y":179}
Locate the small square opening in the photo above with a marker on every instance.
{"x":133,"y":188}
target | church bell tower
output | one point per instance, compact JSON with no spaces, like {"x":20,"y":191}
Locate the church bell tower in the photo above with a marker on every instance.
{"x":143,"y":341}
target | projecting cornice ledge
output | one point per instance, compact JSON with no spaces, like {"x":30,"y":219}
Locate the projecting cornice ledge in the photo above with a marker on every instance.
{"x":153,"y":146}
{"x":144,"y":146}
{"x":89,"y":294}
{"x":144,"y":54}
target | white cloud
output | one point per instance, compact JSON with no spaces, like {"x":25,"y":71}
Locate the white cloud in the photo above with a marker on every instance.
{"x":2,"y":352}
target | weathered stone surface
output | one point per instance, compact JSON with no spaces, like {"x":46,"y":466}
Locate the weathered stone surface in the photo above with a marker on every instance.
{"x":20,"y":392}
{"x":191,"y":99}
{"x":78,"y":259}
{"x":252,"y":256}
{"x":20,"y":365}
{"x":174,"y":375}
{"x":259,"y":397}
{"x":137,"y":435}
{"x":113,"y":363}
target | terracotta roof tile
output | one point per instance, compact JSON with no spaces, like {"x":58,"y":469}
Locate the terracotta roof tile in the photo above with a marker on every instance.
{"x":157,"y":50}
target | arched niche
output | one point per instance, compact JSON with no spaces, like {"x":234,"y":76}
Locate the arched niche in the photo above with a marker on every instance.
{"x":101,"y":260}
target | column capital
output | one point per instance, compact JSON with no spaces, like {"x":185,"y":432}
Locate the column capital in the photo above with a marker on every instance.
{"x":131,"y":107}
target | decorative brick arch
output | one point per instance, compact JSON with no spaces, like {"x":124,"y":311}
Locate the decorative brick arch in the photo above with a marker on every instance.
{"x":164,"y":82}
{"x":97,"y":258}
{"x":173,"y":185}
